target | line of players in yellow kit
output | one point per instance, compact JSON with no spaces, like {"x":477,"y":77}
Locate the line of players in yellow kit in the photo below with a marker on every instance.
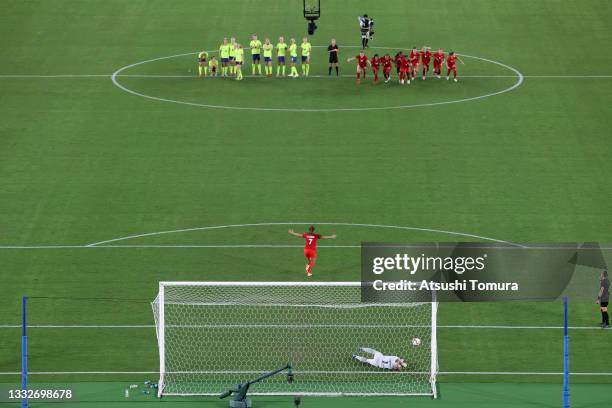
{"x":231,"y":55}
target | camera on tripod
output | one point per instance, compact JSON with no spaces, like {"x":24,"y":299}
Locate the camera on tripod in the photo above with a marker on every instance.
{"x":312,"y":12}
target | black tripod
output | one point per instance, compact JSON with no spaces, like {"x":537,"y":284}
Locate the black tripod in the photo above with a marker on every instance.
{"x":240,"y":399}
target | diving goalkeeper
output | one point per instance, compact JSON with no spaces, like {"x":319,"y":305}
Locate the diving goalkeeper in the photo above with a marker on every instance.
{"x":379,"y":360}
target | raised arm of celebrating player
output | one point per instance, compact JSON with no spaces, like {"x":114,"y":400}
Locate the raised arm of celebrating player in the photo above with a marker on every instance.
{"x":354,"y":58}
{"x":292,"y":232}
{"x":295,"y":234}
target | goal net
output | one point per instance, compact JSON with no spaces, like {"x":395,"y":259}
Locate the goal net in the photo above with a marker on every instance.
{"x":214,"y":335}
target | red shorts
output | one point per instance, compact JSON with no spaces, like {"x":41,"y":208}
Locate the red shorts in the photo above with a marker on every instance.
{"x":310,"y":253}
{"x":425,"y":62}
{"x":404,"y":69}
{"x":415,"y":64}
{"x":437,"y":64}
{"x":361,"y":67}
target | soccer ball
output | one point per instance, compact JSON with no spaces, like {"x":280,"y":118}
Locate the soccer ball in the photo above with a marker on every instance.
{"x":416,"y":341}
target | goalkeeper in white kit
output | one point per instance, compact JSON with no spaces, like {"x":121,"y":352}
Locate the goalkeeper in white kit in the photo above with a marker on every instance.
{"x":379,"y":360}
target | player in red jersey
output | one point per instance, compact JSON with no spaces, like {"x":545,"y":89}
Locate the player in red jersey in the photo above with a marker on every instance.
{"x":425,"y":59}
{"x":439,"y":58}
{"x":375,"y":63}
{"x":404,"y":75}
{"x":414,"y":62}
{"x":396,"y":61}
{"x":451,"y":65}
{"x":310,"y":250}
{"x":362,"y":63}
{"x":387,"y":64}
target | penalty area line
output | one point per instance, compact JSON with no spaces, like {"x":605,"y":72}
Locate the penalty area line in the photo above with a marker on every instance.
{"x":275,"y":224}
{"x":170,"y":246}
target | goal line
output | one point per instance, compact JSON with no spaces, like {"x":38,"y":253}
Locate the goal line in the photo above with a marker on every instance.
{"x":451,"y":373}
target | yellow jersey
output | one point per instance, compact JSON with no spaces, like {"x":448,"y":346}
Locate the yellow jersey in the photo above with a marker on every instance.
{"x":293,"y":50}
{"x":306,"y":47}
{"x":281,"y":49}
{"x":239,"y":53}
{"x":267,"y":50}
{"x":224,"y":51}
{"x":255,"y":47}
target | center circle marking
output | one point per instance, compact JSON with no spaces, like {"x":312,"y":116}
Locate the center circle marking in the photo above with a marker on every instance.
{"x":114,"y":78}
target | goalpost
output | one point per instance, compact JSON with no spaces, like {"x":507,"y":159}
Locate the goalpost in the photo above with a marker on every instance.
{"x":213,"y":335}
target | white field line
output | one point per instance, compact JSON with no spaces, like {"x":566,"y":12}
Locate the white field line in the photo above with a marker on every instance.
{"x":187,"y":246}
{"x":151,"y":326}
{"x":305,"y":372}
{"x":171,"y":246}
{"x":115,"y":76}
{"x":512,"y":373}
{"x":59,"y":76}
{"x":269,"y":224}
{"x":51,"y":76}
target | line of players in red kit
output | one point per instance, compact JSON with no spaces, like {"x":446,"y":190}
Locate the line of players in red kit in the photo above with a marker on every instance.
{"x":407,"y":66}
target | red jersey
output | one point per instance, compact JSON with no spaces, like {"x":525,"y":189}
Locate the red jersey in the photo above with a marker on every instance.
{"x":414,"y":57}
{"x":311,"y":240}
{"x":387,"y":62}
{"x":362,"y":61}
{"x":438,"y":57}
{"x":451,"y":61}
{"x":398,"y":60}
{"x":375,"y":63}
{"x":405,"y":63}
{"x":425,"y":57}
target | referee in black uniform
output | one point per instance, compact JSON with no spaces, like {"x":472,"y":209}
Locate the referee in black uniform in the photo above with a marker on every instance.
{"x":603,"y":298}
{"x":333,"y":56}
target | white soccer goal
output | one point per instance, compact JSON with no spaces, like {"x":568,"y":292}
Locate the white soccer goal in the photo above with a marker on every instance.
{"x":214,"y":335}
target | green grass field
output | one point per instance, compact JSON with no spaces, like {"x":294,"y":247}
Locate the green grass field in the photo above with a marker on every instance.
{"x":518,"y":150}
